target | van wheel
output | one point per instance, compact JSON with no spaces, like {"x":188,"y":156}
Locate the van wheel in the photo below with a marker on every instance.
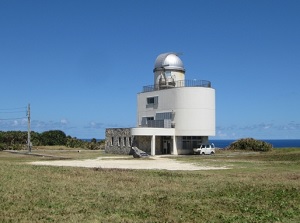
{"x":203,"y":153}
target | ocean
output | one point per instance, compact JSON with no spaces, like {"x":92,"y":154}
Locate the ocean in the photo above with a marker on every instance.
{"x":277,"y":143}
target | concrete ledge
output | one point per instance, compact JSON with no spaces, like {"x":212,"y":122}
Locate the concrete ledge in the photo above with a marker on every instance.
{"x":152,"y":131}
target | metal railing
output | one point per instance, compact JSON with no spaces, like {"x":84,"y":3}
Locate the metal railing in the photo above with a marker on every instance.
{"x":166,"y":123}
{"x":176,"y":84}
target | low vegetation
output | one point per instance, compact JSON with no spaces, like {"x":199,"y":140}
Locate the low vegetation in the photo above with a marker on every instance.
{"x":258,"y":187}
{"x":250,"y":144}
{"x":17,"y":140}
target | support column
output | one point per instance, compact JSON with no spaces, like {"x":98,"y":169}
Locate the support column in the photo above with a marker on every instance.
{"x":153,"y":145}
{"x":174,"y":146}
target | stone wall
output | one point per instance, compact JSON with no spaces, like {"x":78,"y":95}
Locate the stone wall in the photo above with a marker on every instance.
{"x":144,"y":143}
{"x":118,"y":140}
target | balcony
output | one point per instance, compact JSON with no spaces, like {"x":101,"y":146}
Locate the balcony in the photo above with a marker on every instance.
{"x":166,"y":123}
{"x":177,"y":84}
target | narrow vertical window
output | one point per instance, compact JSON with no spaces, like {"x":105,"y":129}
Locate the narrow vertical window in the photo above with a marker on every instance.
{"x":129,"y":141}
{"x":124,"y":141}
{"x":112,"y":141}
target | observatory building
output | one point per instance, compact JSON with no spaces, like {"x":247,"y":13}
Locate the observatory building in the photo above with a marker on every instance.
{"x":174,"y":115}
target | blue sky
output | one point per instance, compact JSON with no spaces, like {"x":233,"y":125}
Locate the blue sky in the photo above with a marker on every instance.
{"x":80,"y":64}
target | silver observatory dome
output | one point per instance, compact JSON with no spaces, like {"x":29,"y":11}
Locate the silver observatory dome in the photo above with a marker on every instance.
{"x":168,"y":61}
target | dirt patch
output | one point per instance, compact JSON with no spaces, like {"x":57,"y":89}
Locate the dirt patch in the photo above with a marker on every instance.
{"x":155,"y":162}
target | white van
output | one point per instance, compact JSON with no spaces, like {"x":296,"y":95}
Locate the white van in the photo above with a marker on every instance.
{"x":205,"y":149}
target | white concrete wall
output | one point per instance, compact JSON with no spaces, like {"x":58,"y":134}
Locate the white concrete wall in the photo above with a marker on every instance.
{"x":194,"y":109}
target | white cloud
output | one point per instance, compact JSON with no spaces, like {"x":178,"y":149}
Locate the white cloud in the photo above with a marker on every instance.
{"x":95,"y":125}
{"x":24,"y":121}
{"x":259,"y":130}
{"x":221,"y":134}
{"x":64,"y":121}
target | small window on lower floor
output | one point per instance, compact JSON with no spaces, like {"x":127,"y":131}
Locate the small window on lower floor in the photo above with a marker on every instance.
{"x":124,"y":141}
{"x":129,"y":142}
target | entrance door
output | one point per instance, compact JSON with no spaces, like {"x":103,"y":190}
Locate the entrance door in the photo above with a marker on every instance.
{"x":167,"y":146}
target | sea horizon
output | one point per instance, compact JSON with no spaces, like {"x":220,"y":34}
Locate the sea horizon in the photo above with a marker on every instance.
{"x":277,"y":143}
{"x":222,"y":143}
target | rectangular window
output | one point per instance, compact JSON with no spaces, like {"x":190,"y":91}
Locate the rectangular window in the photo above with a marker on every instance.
{"x":163,"y":116}
{"x":186,"y":145}
{"x":195,"y":144}
{"x":150,"y":118}
{"x":145,"y":121}
{"x":119,"y":141}
{"x":150,"y":122}
{"x":190,"y":142}
{"x":112,"y":141}
{"x":152,"y":102}
{"x":129,"y":142}
{"x":124,"y":141}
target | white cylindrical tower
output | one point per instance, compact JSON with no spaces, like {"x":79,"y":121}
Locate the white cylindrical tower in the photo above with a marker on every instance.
{"x":168,"y":71}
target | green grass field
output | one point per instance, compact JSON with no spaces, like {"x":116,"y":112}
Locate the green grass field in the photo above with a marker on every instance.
{"x":259,"y":187}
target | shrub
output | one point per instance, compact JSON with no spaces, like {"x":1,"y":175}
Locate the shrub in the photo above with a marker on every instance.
{"x":250,"y":144}
{"x":96,"y":145}
{"x":2,"y":146}
{"x":54,"y":137}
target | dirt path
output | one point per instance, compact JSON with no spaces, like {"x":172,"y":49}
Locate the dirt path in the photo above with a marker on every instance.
{"x":125,"y":163}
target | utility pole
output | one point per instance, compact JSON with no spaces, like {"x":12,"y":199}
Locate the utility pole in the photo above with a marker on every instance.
{"x":28,"y":139}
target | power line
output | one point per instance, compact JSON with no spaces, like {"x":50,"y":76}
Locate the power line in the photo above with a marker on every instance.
{"x":3,"y":109}
{"x":15,"y":111}
{"x":6,"y":119}
{"x":18,"y":110}
{"x":6,"y":112}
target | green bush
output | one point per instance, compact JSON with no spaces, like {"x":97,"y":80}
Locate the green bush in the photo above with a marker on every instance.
{"x":54,"y":137}
{"x":96,"y":145}
{"x":75,"y":143}
{"x":250,"y":144}
{"x":2,"y":146}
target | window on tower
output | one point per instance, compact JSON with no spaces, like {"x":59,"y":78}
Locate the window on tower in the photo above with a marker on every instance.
{"x":152,"y":102}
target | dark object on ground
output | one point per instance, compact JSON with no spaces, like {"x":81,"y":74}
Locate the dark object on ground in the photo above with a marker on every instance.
{"x":137,"y":153}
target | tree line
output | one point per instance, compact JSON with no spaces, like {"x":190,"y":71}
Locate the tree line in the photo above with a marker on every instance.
{"x":17,"y":140}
